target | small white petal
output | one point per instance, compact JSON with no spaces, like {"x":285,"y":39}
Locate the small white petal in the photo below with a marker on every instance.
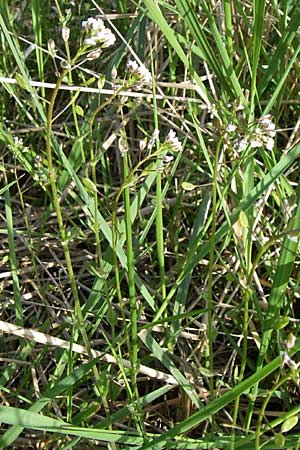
{"x":255,"y":143}
{"x":65,"y":33}
{"x":94,"y":55}
{"x":231,"y":127}
{"x":89,"y":41}
{"x":167,"y":158}
{"x":270,"y":143}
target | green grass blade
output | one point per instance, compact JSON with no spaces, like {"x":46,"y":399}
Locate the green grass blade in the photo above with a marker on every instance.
{"x":60,"y":387}
{"x":222,"y":69}
{"x":13,"y":259}
{"x":27,"y":419}
{"x":162,"y":356}
{"x":215,"y":406}
{"x":156,"y":15}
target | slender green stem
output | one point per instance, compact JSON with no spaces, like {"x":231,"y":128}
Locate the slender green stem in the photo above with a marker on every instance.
{"x":131,"y":178}
{"x":13,"y":257}
{"x":130,"y":268}
{"x":228,"y":27}
{"x":133,"y":351}
{"x":263,"y":408}
{"x":243,"y":364}
{"x":160,"y":236}
{"x":210,"y":332}
{"x":94,"y":176}
{"x":64,"y":239}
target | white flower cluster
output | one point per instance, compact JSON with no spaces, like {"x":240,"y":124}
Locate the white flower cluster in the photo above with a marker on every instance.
{"x":262,"y":135}
{"x":173,"y":141}
{"x":97,"y":34}
{"x":154,"y":137}
{"x":140,"y":72}
{"x":18,"y":145}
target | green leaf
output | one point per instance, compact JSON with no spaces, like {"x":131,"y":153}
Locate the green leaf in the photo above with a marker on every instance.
{"x":89,"y":185}
{"x":27,"y":419}
{"x":280,"y":323}
{"x":22,"y":82}
{"x":243,"y":219}
{"x":188,"y":186}
{"x":7,"y":187}
{"x":79,"y":110}
{"x":279,"y":439}
{"x":288,"y":424}
{"x":153,"y":11}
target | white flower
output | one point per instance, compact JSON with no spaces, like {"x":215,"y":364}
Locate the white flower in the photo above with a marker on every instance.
{"x":265,"y":120}
{"x":173,"y":141}
{"x":241,"y":144}
{"x":231,"y":127}
{"x":89,"y":41}
{"x":96,"y":33}
{"x":269,"y":144}
{"x":65,"y":33}
{"x":18,"y":141}
{"x":18,"y":144}
{"x":143,"y":144}
{"x":94,"y":55}
{"x":255,"y":143}
{"x":270,"y":126}
{"x":167,"y":158}
{"x":271,"y":130}
{"x":212,"y":110}
{"x":143,"y":75}
{"x":123,"y":146}
{"x":132,"y":66}
{"x":92,"y":24}
{"x":155,"y":133}
{"x":153,"y":138}
{"x":267,"y":125}
{"x":107,"y":38}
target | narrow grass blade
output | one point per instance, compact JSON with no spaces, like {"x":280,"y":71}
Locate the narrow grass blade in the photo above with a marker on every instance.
{"x":162,"y":356}
{"x":215,"y":406}
{"x":13,"y":259}
{"x":156,"y":15}
{"x":60,"y":387}
{"x":222,"y":69}
{"x":27,"y":419}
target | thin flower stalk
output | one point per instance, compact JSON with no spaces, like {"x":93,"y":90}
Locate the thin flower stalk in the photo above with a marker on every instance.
{"x":64,"y":239}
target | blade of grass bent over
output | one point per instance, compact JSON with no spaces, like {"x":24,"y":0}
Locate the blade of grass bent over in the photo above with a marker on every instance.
{"x":61,"y":386}
{"x":215,"y":406}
